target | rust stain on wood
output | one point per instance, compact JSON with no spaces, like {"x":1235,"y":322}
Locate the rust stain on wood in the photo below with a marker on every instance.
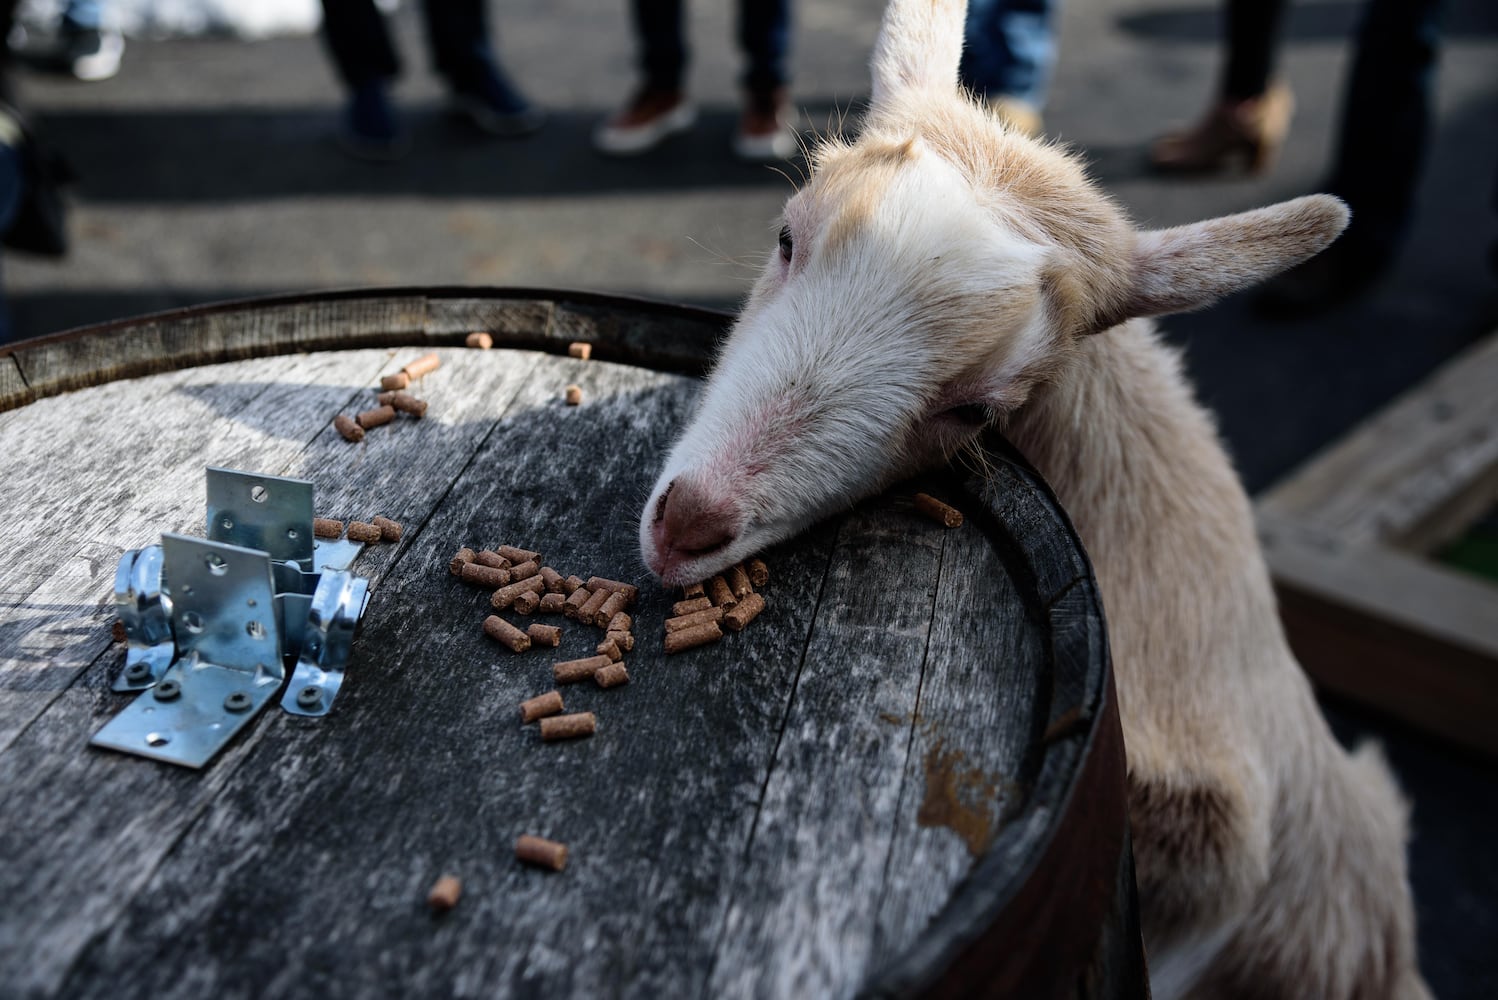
{"x":963,"y":799}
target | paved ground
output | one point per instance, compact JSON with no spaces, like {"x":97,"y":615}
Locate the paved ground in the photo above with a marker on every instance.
{"x":208,"y":171}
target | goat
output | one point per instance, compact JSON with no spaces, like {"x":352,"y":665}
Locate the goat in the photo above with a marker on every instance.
{"x":940,"y":274}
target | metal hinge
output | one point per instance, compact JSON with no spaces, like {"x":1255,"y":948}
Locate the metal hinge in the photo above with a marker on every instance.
{"x":213,"y":624}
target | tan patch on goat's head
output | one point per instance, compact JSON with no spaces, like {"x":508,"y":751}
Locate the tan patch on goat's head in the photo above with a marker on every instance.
{"x":847,"y":185}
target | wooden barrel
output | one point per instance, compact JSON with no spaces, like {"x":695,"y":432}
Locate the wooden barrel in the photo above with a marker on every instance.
{"x":904,"y":779}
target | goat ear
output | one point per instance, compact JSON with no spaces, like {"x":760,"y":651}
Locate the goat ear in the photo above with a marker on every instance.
{"x":1189,"y":267}
{"x":919,"y":48}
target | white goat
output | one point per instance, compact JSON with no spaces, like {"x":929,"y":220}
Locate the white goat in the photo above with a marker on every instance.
{"x":940,"y":273}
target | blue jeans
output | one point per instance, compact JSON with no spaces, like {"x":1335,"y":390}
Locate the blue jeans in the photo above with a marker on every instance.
{"x":83,"y":14}
{"x":457,"y":31}
{"x":1010,"y":49}
{"x":764,"y":30}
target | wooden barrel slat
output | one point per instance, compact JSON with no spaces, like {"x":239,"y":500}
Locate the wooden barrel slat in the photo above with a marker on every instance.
{"x":850,"y":797}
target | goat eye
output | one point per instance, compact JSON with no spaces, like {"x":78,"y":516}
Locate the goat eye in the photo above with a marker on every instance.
{"x":786,"y":246}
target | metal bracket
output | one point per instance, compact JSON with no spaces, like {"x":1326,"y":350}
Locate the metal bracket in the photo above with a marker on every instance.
{"x":214,"y":625}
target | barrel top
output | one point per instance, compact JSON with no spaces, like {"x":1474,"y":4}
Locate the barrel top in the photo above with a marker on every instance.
{"x":838,"y":799}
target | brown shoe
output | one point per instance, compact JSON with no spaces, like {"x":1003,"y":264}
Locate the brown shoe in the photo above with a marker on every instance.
{"x":1252,"y":130}
{"x":650,"y":117}
{"x":767,"y":129}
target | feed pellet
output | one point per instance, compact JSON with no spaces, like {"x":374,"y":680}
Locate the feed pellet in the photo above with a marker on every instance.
{"x":621,"y":622}
{"x":407,"y":403}
{"x":702,"y":617}
{"x":588,"y":613}
{"x":464,"y":556}
{"x":744,"y":612}
{"x":358,"y":531}
{"x":572,"y":671}
{"x":568,"y":727}
{"x":630,"y":591}
{"x":515,"y":555}
{"x":398,"y":380}
{"x":541,"y":852}
{"x":570,"y":584}
{"x":738,"y":581}
{"x":544,"y":635}
{"x":689,"y":638}
{"x":506,"y":634}
{"x":720,"y":592}
{"x":624,"y":640}
{"x":759,"y":573}
{"x":608,"y":647}
{"x":581,"y":351}
{"x":480,"y":575}
{"x":529,"y":568}
{"x":573,"y":606}
{"x":526,"y":603}
{"x":553,"y":579}
{"x":693,"y":590}
{"x":694,"y":604}
{"x":444,"y":893}
{"x":505,"y":596}
{"x":937,"y":511}
{"x":346,"y":426}
{"x":487,"y":558}
{"x":551,"y":604}
{"x":612,"y":606}
{"x":611,"y":676}
{"x":377,"y":417}
{"x":574,"y":396}
{"x":327,"y":527}
{"x":540,"y":706}
{"x":390,"y":531}
{"x":423,"y":365}
{"x":482,"y":341}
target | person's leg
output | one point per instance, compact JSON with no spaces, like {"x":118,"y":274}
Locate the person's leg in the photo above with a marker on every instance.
{"x":764,"y":35}
{"x":659,"y":107}
{"x":1251,"y":116}
{"x":1007,"y":57}
{"x":458,"y":32}
{"x":366,"y":61}
{"x":87,"y":48}
{"x":1386,"y":121}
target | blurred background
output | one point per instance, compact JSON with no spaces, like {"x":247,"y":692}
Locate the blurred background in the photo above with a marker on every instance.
{"x":207,"y":168}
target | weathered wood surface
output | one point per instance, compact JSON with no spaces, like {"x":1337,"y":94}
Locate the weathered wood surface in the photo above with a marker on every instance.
{"x":782,"y":813}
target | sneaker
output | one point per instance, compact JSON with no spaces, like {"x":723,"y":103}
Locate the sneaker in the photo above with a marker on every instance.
{"x":645,"y":122}
{"x":767,"y":129}
{"x":493,"y":104}
{"x":370,"y":129}
{"x":90,"y":54}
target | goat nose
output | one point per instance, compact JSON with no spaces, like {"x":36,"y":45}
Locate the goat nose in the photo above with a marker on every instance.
{"x":690,"y":518}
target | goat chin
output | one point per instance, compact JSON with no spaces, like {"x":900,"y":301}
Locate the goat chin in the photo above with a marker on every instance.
{"x":940,"y":264}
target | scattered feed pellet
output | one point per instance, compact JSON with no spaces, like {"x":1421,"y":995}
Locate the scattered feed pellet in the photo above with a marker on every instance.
{"x":568,"y":727}
{"x":588,"y":613}
{"x":551,"y":604}
{"x":692,"y":590}
{"x":937,"y":511}
{"x":574,"y":395}
{"x":464,"y":556}
{"x":694,"y":604}
{"x":377,"y":417}
{"x":579,"y":349}
{"x":744,"y":612}
{"x":515,"y":555}
{"x":608,"y":647}
{"x":346,"y":426}
{"x":540,"y":706}
{"x":541,"y":852}
{"x":488,"y":558}
{"x":358,"y":531}
{"x":444,"y":894}
{"x":385,"y":398}
{"x":738,"y":581}
{"x":480,"y":575}
{"x":482,"y":341}
{"x":621,"y":622}
{"x":720,"y":592}
{"x":573,"y":606}
{"x":506,"y":634}
{"x":398,"y":380}
{"x":423,"y":365}
{"x":505,"y":596}
{"x":624,"y":640}
{"x":611,"y":676}
{"x":544,"y":635}
{"x":630,"y":591}
{"x":327,"y":527}
{"x":611,"y":607}
{"x":570,"y":584}
{"x":553,"y":579}
{"x":526,"y":603}
{"x":390,"y":531}
{"x":407,"y":403}
{"x":117,"y":631}
{"x":527,"y":569}
{"x":689,"y":638}
{"x":572,"y":671}
{"x":759,"y":573}
{"x":702,"y":617}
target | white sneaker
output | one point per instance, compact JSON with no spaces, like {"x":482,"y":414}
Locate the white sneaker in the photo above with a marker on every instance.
{"x":767,"y":129}
{"x":93,"y":54}
{"x":650,"y":118}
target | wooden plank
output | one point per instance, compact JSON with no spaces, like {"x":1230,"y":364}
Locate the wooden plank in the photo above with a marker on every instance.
{"x":1408,"y":636}
{"x":91,"y":825}
{"x":1415,"y":474}
{"x":426,"y":762}
{"x":965,"y":774}
{"x":664,"y":340}
{"x":797,"y":923}
{"x":13,"y":388}
{"x":516,"y":320}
